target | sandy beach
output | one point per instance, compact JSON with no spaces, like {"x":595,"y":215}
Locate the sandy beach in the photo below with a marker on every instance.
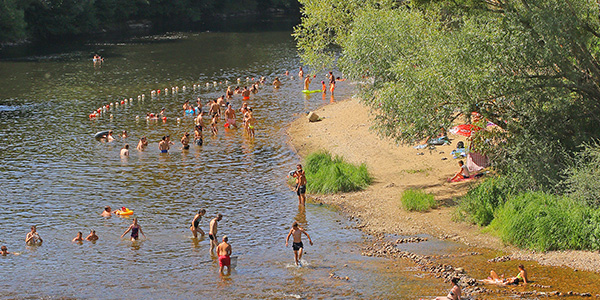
{"x":345,"y":130}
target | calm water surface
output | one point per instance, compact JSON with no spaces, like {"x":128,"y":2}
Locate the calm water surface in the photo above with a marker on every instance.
{"x":57,"y":176}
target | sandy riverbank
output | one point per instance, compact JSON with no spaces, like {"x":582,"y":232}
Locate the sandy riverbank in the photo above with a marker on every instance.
{"x":345,"y":131}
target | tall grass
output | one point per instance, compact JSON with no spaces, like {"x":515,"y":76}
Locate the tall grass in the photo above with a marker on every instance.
{"x":480,"y":203}
{"x":417,"y":200}
{"x":542,"y":221}
{"x":327,"y":175}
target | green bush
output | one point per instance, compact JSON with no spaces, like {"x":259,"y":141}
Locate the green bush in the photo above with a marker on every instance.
{"x":327,"y":175}
{"x":542,"y":221}
{"x":417,"y":200}
{"x":479,"y":204}
{"x":583,"y":175}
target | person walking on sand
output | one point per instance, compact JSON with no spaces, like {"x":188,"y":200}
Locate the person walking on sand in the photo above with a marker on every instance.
{"x":297,"y":245}
{"x":33,"y":238}
{"x":455,"y":292}
{"x":196,"y":221}
{"x":212,"y":232}
{"x":224,"y":253}
{"x":300,"y":184}
{"x":135,"y":229}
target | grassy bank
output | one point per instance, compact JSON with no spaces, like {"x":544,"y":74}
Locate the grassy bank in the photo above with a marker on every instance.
{"x":327,"y":175}
{"x":417,"y":200}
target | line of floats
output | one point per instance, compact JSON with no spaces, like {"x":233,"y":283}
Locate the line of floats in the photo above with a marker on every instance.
{"x":155,"y":93}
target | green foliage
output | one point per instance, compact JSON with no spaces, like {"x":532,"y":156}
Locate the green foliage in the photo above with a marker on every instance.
{"x":541,"y":221}
{"x":417,"y":200}
{"x":480,"y":203}
{"x":583,"y":176}
{"x":49,"y":19}
{"x":531,"y":67}
{"x":327,"y":175}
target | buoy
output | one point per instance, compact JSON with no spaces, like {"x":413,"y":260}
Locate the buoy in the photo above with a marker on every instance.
{"x":226,"y":82}
{"x":111,"y":104}
{"x":176,"y":89}
{"x":207,"y":84}
{"x":123,"y":102}
{"x":158,"y":91}
{"x":252,"y":78}
{"x":183,"y":88}
{"x":239,"y":80}
{"x":139,"y":97}
{"x":214,"y":83}
{"x":99,"y":110}
{"x":92,"y":116}
{"x":107,"y":106}
{"x":130,"y":100}
{"x":166,"y":91}
{"x":137,"y":118}
{"x":226,"y":125}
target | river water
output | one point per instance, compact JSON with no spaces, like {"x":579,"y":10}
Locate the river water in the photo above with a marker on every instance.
{"x":57,"y":176}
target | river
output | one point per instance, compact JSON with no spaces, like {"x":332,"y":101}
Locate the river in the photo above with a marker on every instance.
{"x":57,"y":176}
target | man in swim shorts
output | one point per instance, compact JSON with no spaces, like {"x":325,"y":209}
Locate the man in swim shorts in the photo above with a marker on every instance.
{"x":246,"y":94}
{"x":212,"y":232}
{"x":297,"y":245}
{"x":224,"y":253}
{"x":300,"y":184}
{"x":250,"y":120}
{"x":164,"y":146}
{"x":185,"y":141}
{"x":230,"y":115}
{"x":276,"y":83}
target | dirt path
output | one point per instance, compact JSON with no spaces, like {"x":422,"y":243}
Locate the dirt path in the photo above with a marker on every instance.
{"x":345,"y":131}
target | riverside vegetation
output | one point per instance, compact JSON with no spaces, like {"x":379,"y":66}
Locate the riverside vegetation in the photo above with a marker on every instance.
{"x":530,"y":67}
{"x":328,"y":175}
{"x":417,"y":200}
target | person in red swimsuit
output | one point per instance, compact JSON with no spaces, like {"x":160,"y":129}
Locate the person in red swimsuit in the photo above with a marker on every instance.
{"x":224,"y":253}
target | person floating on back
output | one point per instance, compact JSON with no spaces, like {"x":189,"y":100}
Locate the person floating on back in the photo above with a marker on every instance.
{"x":297,"y":245}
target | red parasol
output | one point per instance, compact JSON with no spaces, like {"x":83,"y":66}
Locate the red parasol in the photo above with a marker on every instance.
{"x":464,"y":129}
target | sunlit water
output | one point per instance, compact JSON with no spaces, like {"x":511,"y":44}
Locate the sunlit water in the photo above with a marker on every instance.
{"x":57,"y":176}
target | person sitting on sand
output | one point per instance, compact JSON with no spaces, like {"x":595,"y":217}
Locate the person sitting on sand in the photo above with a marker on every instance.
{"x":495,"y":279}
{"x":455,"y":292}
{"x":463,"y":173}
{"x":92,"y":237}
{"x":78,"y":238}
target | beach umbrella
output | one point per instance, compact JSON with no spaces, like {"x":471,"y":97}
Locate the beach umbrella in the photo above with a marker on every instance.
{"x":464,"y":129}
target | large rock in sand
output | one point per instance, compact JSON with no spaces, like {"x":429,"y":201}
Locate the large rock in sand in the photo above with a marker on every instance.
{"x":313,"y":117}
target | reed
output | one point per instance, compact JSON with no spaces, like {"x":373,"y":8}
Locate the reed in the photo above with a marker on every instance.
{"x":328,"y":175}
{"x":417,"y":200}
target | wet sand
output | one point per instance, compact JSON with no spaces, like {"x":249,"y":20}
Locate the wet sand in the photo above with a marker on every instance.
{"x":345,"y":131}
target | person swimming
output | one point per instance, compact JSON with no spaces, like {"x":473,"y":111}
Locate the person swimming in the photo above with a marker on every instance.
{"x":135,"y":229}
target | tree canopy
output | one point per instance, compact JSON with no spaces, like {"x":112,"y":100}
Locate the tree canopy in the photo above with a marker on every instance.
{"x":529,"y":66}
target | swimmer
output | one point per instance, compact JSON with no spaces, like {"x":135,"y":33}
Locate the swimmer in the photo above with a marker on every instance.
{"x":163,"y":112}
{"x":164,"y":145}
{"x":301,"y":73}
{"x":185,"y":141}
{"x":237,"y":90}
{"x":33,"y":238}
{"x":78,"y":238}
{"x":196,"y":221}
{"x":455,"y":292}
{"x":92,"y":237}
{"x":124,"y":134}
{"x":331,"y":82}
{"x":198,"y":135}
{"x":109,"y":136}
{"x":212,"y":232}
{"x":4,"y":251}
{"x":495,"y":279}
{"x":142,"y":144}
{"x":300,"y":184}
{"x":262,"y":80}
{"x":323,"y":87}
{"x":221,"y":102}
{"x":224,"y":253}
{"x":246,"y":94}
{"x":107,"y":213}
{"x":230,"y":116}
{"x":254,"y":88}
{"x":276,"y":83}
{"x":199,"y":121}
{"x":215,"y":109}
{"x":135,"y":229}
{"x":297,"y":245}
{"x":125,"y":151}
{"x":307,"y":82}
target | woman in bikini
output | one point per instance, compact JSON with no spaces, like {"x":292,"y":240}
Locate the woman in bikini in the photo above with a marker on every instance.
{"x":455,"y":292}
{"x":500,"y":280}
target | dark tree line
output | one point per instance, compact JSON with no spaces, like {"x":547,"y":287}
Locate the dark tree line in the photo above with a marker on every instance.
{"x":48,"y":19}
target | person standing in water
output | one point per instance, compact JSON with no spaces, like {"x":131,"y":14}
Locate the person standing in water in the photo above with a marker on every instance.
{"x":307,"y":82}
{"x":224,"y":253}
{"x":297,"y":245}
{"x":92,"y":237}
{"x":246,"y":94}
{"x":196,"y":221}
{"x":78,"y":238}
{"x":185,"y":141}
{"x":125,"y":151}
{"x":198,"y":135}
{"x":276,"y":83}
{"x":301,"y":73}
{"x":164,"y":145}
{"x":212,"y":232}
{"x":135,"y":229}
{"x":142,"y":144}
{"x":300,"y":184}
{"x":33,"y":238}
{"x":230,"y":116}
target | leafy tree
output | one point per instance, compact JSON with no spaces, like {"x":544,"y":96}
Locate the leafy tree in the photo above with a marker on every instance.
{"x":529,"y":66}
{"x":12,"y":21}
